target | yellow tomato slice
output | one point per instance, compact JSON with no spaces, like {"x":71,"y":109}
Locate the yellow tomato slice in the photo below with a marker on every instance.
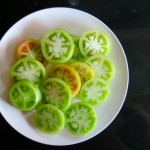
{"x":84,"y":70}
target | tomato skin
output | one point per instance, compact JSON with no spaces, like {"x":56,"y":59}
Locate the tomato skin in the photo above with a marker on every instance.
{"x":30,"y":48}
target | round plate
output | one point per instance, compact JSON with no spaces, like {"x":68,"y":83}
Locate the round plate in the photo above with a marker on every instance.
{"x":35,"y":25}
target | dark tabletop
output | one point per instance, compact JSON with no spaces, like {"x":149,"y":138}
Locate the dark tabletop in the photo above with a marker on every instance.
{"x":130,"y":21}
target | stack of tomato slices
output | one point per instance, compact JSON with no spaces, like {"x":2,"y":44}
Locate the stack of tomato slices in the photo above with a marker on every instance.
{"x":63,"y":78}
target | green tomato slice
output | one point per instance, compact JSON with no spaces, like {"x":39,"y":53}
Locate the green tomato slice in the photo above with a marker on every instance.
{"x":25,"y":95}
{"x":84,"y":70}
{"x":69,"y":75}
{"x":93,"y":42}
{"x":57,"y":92}
{"x":29,"y":69}
{"x":94,"y":91}
{"x":76,"y":54}
{"x":49,"y":119}
{"x":57,"y":46}
{"x":103,"y":67}
{"x":80,"y":118}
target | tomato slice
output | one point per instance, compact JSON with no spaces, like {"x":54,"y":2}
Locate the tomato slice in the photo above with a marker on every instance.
{"x":94,"y":91}
{"x":24,"y":95}
{"x":57,"y":46}
{"x":69,"y":75}
{"x":103,"y":67}
{"x":49,"y":119}
{"x":29,"y":69}
{"x":80,"y":118}
{"x":84,"y":70}
{"x":93,"y":42}
{"x":30,"y":48}
{"x":76,"y":54}
{"x":57,"y":92}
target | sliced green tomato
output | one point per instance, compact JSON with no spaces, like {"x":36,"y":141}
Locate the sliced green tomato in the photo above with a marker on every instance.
{"x":76,"y":54}
{"x":49,"y":119}
{"x":94,"y":92}
{"x":93,"y":42}
{"x":69,"y":75}
{"x":57,"y":92}
{"x":30,"y":48}
{"x":25,"y":95}
{"x":84,"y":70}
{"x":103,"y":67}
{"x":29,"y":69}
{"x":57,"y":46}
{"x":80,"y":118}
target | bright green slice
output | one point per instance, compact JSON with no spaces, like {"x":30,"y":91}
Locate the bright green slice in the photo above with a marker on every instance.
{"x":57,"y":46}
{"x":49,"y":119}
{"x":84,"y":70}
{"x":94,"y":92}
{"x":103,"y":67}
{"x":29,"y":69}
{"x":25,"y":95}
{"x":80,"y":118}
{"x":57,"y":92}
{"x":93,"y":42}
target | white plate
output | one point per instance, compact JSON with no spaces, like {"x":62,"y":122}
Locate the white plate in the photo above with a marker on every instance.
{"x":36,"y":25}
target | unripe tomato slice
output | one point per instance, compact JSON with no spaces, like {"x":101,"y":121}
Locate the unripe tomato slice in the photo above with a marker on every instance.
{"x":94,"y":91}
{"x":49,"y":119}
{"x":80,"y":118}
{"x":25,"y":95}
{"x":77,"y":56}
{"x":57,"y":92}
{"x":57,"y":46}
{"x":103,"y":67}
{"x":29,"y":69}
{"x":93,"y":42}
{"x":30,"y":48}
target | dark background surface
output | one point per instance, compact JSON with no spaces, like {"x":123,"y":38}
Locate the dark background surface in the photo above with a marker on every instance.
{"x":130,"y":21}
